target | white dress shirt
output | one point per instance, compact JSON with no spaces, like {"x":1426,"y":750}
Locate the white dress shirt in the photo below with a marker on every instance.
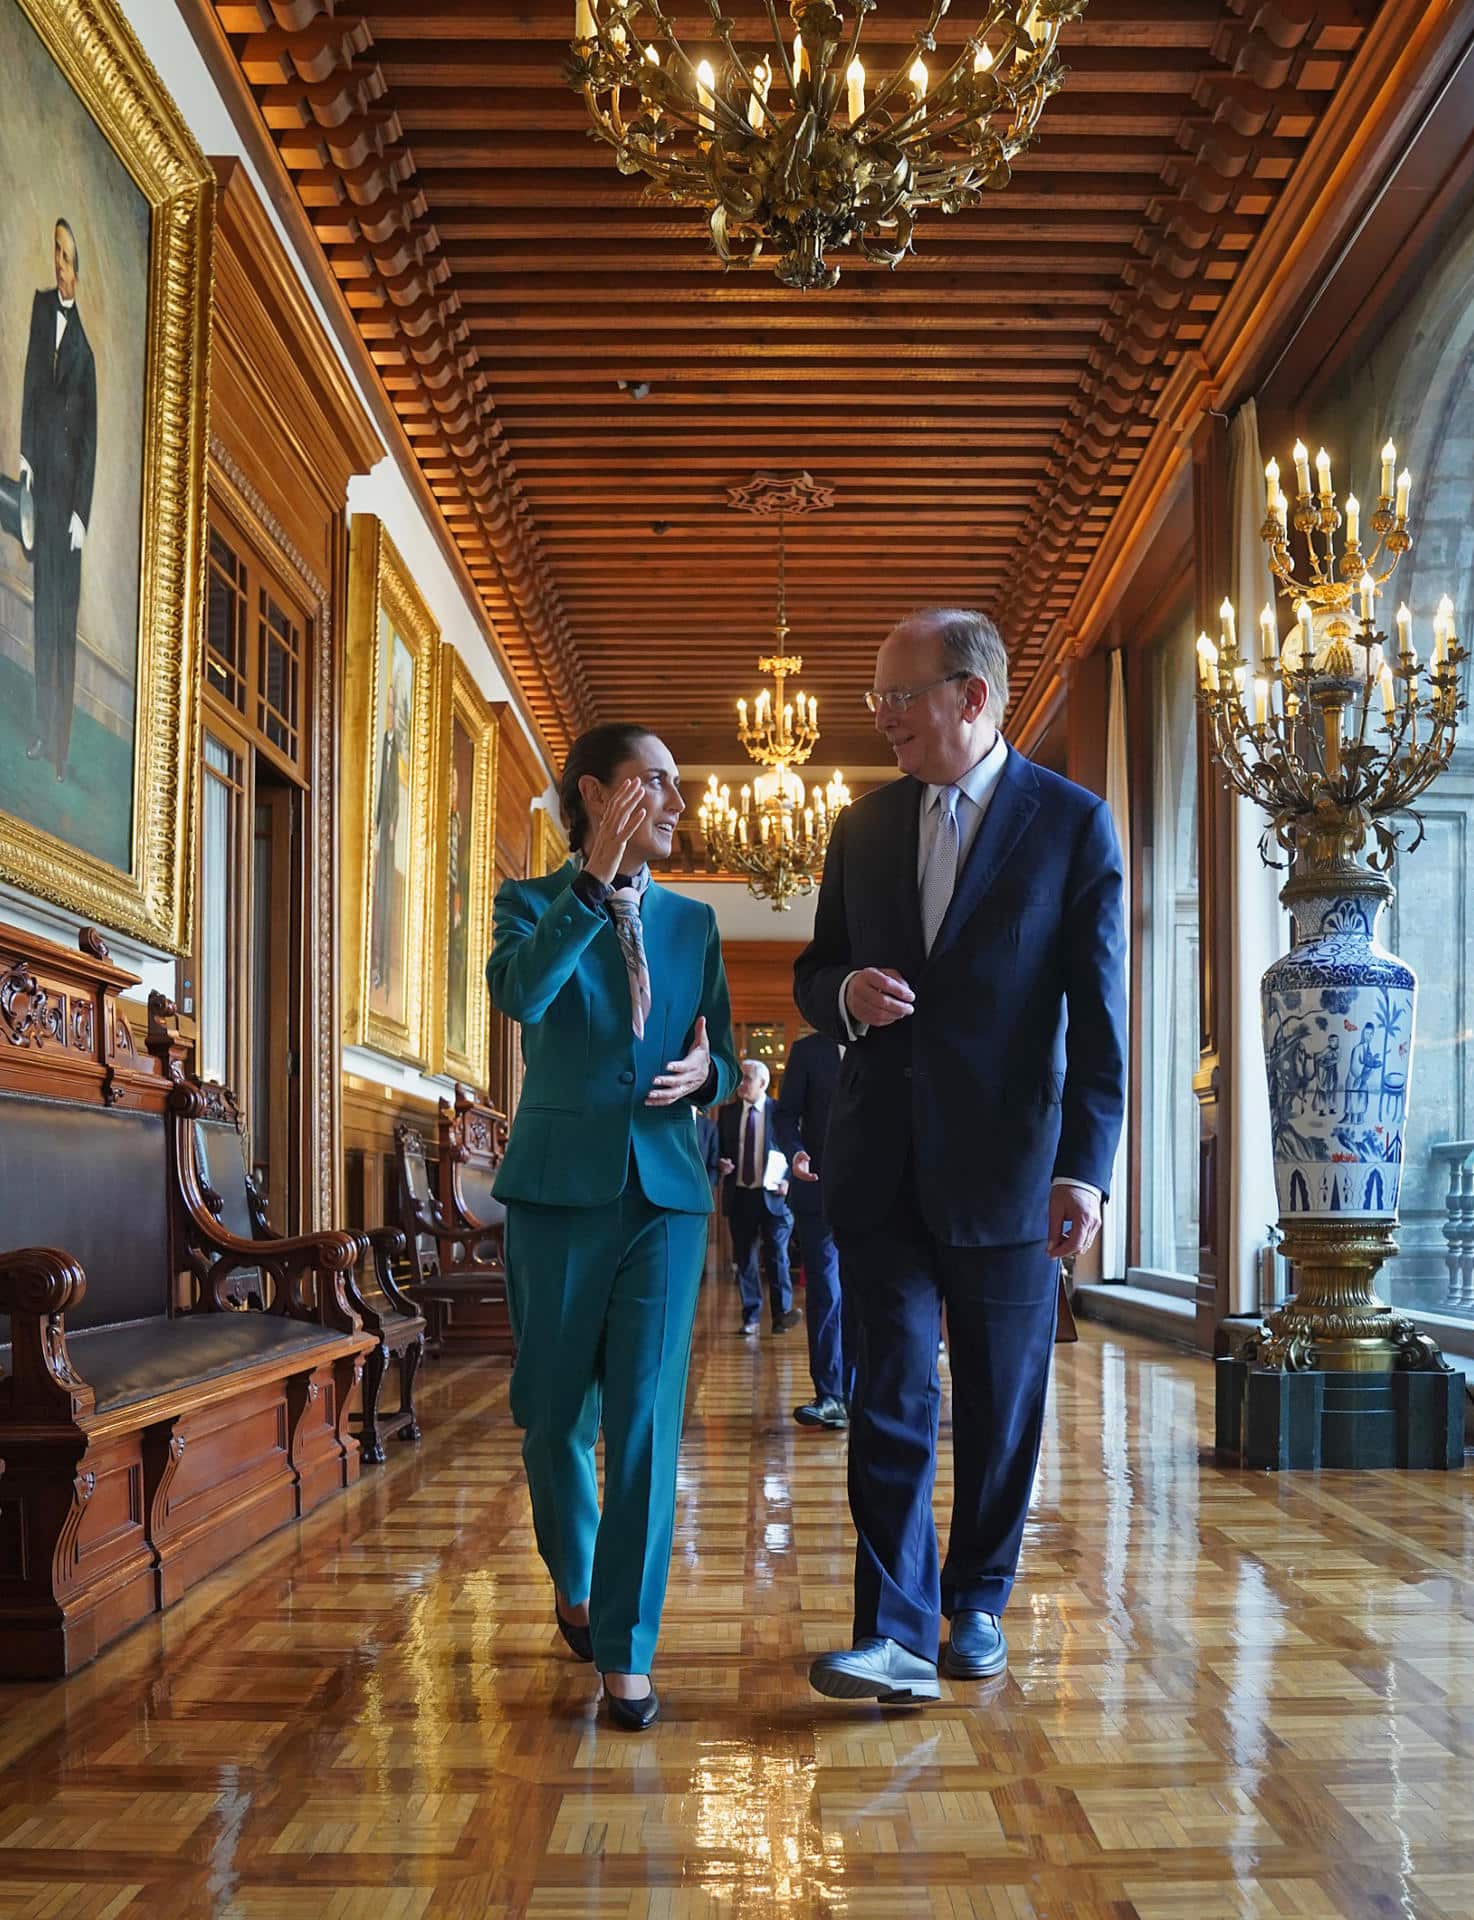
{"x":975,"y":790}
{"x":63,"y":314}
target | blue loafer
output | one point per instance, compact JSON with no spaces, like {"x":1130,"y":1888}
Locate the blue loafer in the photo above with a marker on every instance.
{"x":976,"y":1648}
{"x":875,"y":1669}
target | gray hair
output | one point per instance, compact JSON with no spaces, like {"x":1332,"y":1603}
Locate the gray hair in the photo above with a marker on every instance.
{"x":758,"y":1067}
{"x":971,"y":644}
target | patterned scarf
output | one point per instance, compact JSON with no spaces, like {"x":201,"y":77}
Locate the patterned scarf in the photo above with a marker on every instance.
{"x":624,"y":909}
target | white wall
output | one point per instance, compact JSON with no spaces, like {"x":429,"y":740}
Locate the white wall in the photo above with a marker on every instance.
{"x":167,"y":41}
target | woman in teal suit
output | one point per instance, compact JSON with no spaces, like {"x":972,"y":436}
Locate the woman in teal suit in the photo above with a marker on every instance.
{"x":622,"y":998}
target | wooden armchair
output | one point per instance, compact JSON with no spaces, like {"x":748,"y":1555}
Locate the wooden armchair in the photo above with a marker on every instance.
{"x":453,"y":1270}
{"x":232,"y":1194}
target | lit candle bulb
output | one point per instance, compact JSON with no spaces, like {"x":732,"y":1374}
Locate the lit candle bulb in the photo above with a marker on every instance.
{"x":1446,"y":609}
{"x":1301,"y":458}
{"x":813,"y":711}
{"x":1208,"y":663}
{"x":767,"y":828}
{"x":1261,"y":700}
{"x":1440,"y":640}
{"x":1353,"y":522}
{"x":800,"y":59}
{"x":1404,"y":628}
{"x":808,"y":823}
{"x":982,"y":60}
{"x":918,"y":77}
{"x":742,"y":715}
{"x":1307,"y":632}
{"x":855,"y":81}
{"x":1271,"y":484}
{"x":706,"y":81}
{"x":1240,"y":679}
{"x":1267,"y":637}
{"x":1225,"y":615}
{"x":1281,"y":510}
{"x":1389,"y":464}
{"x":747,"y":799}
{"x":652,"y":57}
{"x":1323,"y":474}
{"x":742,"y":831}
{"x":1367,"y":588}
{"x":1033,"y":26}
{"x":583,"y":20}
{"x":762,"y":79}
{"x":1404,"y":488}
{"x":1389,"y":693}
{"x":788,"y":716}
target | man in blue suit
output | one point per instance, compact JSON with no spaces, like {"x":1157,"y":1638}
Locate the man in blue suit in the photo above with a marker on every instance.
{"x":969,"y":946}
{"x":756,"y":1214}
{"x":809,"y":1081}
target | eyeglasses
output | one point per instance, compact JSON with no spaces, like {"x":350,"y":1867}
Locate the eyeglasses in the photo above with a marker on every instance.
{"x":897,"y":699}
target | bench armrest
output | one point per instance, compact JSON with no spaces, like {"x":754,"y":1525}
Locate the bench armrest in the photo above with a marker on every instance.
{"x":386,"y":1244}
{"x":37,"y":1285}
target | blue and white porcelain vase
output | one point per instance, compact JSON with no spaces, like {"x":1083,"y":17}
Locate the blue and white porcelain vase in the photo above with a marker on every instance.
{"x":1338,"y":1043}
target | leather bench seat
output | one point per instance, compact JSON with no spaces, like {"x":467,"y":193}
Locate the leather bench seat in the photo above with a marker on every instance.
{"x":135,"y":1361}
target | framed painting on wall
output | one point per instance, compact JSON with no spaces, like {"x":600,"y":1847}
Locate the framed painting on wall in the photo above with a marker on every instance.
{"x":390,"y":701}
{"x":549,"y":843}
{"x":105,"y":229}
{"x":465,"y":815}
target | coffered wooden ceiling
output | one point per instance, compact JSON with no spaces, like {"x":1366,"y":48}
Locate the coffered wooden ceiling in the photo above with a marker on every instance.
{"x":977,"y":412}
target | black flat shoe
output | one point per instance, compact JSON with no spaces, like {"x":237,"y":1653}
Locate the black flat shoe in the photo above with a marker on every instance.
{"x":578,"y":1636}
{"x":632,"y":1716}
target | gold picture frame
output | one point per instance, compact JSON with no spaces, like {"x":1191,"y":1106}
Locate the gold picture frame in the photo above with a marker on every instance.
{"x":549,"y":843}
{"x":461,"y":897}
{"x":390,"y":704}
{"x":72,"y":847}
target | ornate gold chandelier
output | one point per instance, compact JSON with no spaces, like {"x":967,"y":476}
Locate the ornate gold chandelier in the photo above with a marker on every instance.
{"x":778,"y":832}
{"x":798,"y":148}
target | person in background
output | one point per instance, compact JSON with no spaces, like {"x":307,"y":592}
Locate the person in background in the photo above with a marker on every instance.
{"x":757,"y":1215}
{"x":809,"y":1081}
{"x":626,"y":1024}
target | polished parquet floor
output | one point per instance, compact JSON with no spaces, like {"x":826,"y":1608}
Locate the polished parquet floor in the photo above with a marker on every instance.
{"x":1230,"y":1695}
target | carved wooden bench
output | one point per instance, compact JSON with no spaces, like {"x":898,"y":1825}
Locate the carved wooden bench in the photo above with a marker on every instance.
{"x":150,"y":1428}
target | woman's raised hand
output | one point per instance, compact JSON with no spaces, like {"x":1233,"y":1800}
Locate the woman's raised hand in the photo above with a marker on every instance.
{"x":624,"y":814}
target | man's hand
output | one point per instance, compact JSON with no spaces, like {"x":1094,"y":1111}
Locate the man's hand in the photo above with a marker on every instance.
{"x":876,"y":997}
{"x":801,"y":1168}
{"x":685,"y":1076}
{"x":726,"y":1166}
{"x":1074,"y":1220}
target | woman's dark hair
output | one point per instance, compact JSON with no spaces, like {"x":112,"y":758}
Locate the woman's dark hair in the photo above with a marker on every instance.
{"x":597,"y":752}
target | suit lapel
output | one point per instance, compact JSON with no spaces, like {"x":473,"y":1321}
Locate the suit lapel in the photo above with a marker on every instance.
{"x":1015,"y":802}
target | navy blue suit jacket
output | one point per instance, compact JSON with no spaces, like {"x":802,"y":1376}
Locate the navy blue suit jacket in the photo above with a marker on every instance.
{"x":810,"y":1079}
{"x":729,"y":1133}
{"x":980,"y":1084}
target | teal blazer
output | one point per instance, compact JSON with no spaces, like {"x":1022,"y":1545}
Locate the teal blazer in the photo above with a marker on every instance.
{"x":556,"y":967}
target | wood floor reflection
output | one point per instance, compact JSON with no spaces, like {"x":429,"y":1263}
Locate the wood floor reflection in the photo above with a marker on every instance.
{"x":1230,"y":1695}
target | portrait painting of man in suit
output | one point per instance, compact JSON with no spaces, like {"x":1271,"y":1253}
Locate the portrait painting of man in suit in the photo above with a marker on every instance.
{"x":74,"y":256}
{"x":458,"y":883}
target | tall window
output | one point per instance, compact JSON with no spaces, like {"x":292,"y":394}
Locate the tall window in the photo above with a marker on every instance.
{"x":242,"y":983}
{"x":1168,"y":866}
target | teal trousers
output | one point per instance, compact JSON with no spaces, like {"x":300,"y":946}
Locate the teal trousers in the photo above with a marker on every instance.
{"x":602,"y":1302}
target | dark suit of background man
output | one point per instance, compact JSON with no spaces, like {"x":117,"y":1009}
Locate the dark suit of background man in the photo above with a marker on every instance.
{"x":809,"y":1081}
{"x":748,"y":1132}
{"x":58,"y":453}
{"x":968,"y":941}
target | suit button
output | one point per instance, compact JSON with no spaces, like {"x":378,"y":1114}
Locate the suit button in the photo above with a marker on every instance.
{"x":907,"y":1072}
{"x":627,"y":1078}
{"x":565,"y":921}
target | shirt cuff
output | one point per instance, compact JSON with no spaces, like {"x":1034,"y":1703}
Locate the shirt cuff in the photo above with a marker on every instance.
{"x":591,"y":891}
{"x":856,"y":1029}
{"x":1085,"y":1186}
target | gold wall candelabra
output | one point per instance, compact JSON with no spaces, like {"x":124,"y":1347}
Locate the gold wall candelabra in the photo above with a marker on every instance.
{"x":797,"y":147}
{"x":1334,"y":728}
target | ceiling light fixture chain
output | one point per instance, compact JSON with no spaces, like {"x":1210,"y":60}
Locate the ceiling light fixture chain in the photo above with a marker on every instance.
{"x":838,"y":165}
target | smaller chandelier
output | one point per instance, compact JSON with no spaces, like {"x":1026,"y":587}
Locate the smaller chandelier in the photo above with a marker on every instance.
{"x":797,"y":147}
{"x":778,"y":832}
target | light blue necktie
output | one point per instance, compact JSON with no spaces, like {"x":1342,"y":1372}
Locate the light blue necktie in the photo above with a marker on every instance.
{"x":940,"y":878}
